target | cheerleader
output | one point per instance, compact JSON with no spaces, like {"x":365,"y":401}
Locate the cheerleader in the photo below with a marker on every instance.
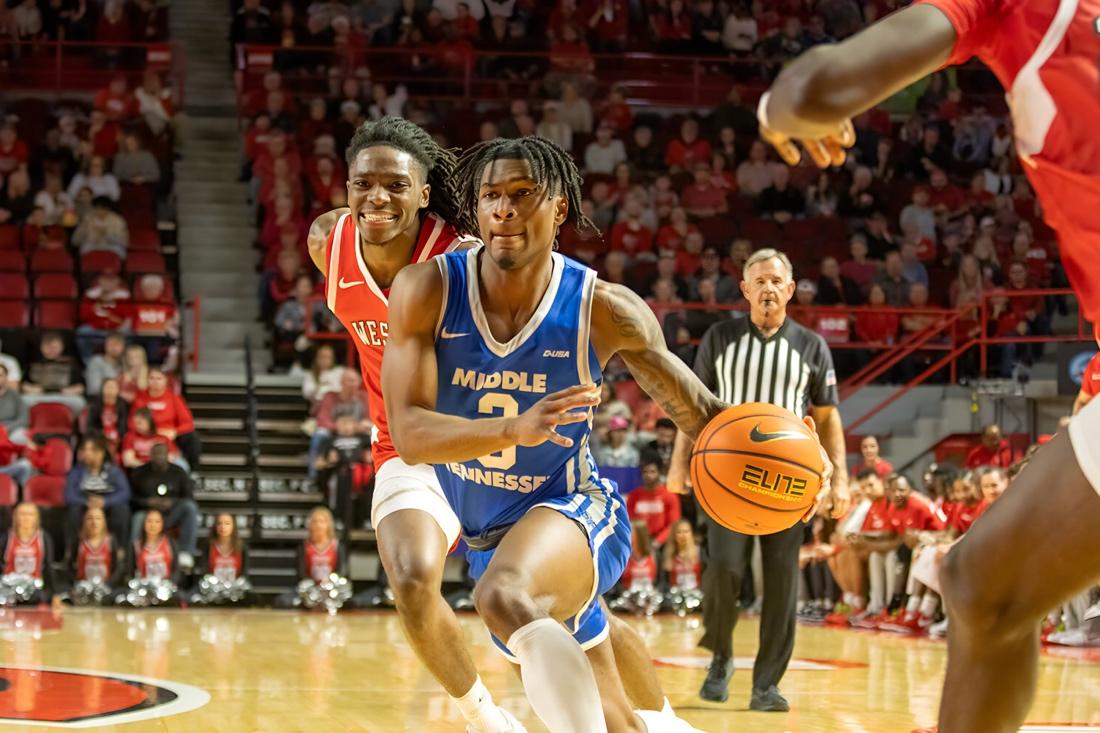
{"x":682,"y":571}
{"x":226,"y":565}
{"x":639,"y":580}
{"x":153,"y":561}
{"x":28,"y":576}
{"x":99,"y":563}
{"x":319,"y":557}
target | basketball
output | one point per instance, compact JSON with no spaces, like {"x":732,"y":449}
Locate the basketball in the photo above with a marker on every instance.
{"x":756,"y":468}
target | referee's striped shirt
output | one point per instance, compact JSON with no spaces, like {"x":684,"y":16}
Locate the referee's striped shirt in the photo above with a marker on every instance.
{"x":793,"y":368}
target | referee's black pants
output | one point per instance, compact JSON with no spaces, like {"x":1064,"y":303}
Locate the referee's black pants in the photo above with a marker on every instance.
{"x":729,"y":553}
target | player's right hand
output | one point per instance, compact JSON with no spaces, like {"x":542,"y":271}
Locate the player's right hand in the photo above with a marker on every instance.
{"x":825,"y":151}
{"x":539,"y":424}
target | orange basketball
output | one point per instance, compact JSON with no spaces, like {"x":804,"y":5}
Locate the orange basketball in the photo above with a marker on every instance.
{"x":756,"y":468}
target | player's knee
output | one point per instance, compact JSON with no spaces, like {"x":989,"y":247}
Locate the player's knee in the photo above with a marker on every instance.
{"x":503,"y":603}
{"x":415,"y":581}
{"x":974,"y":603}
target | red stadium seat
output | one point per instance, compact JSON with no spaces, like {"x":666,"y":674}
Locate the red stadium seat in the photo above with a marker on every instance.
{"x":51,"y":260}
{"x":136,"y":197}
{"x":145,"y":262}
{"x":99,"y":261}
{"x":14,"y":314}
{"x":144,"y":240}
{"x":50,"y":418}
{"x":14,"y":286}
{"x":56,"y":286}
{"x":45,"y":491}
{"x":760,"y":232}
{"x":56,"y":457}
{"x":55,"y":315}
{"x":9,"y":491}
{"x":10,"y":237}
{"x":718,"y":231}
{"x":12,"y":261}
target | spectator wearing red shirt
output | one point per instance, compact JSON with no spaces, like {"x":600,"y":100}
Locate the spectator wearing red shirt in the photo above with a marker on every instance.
{"x":104,"y":308}
{"x":869,"y":449}
{"x":992,"y":451}
{"x":115,"y":100}
{"x":671,"y":236}
{"x":104,"y":135}
{"x":690,"y":258}
{"x":1090,"y":384}
{"x":978,"y":196}
{"x":137,"y":444}
{"x":608,"y":20}
{"x":1035,"y":255}
{"x":154,"y":318}
{"x":966,"y":505}
{"x":859,"y":269}
{"x":908,"y":513}
{"x":945,"y":198}
{"x":278,"y":285}
{"x":878,"y":328}
{"x":688,"y":150}
{"x":653,"y":504}
{"x":704,"y":199}
{"x":13,"y":151}
{"x":1030,"y":309}
{"x":171,"y":416}
{"x":616,"y":112}
{"x":630,"y":235}
{"x":673,"y":27}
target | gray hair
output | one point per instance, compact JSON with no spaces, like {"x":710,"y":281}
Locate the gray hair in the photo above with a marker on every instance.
{"x":768,"y":253}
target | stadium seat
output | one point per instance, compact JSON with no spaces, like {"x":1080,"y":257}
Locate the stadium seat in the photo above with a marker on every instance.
{"x":10,"y":237}
{"x":9,"y":491}
{"x":14,"y":314}
{"x":145,"y":262}
{"x":136,"y":197}
{"x":760,"y":232}
{"x":50,"y":418}
{"x":14,"y":286}
{"x":100,"y":261}
{"x":12,"y":261}
{"x":717,"y":231}
{"x":51,"y":260}
{"x":144,"y":240}
{"x":45,"y":491}
{"x":56,"y":457}
{"x":55,"y":286}
{"x":55,"y":315}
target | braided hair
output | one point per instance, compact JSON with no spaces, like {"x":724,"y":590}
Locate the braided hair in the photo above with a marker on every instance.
{"x":438,"y":162}
{"x":551,"y":167}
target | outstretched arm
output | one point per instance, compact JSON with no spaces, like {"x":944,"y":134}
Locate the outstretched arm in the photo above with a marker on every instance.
{"x":319,"y":232}
{"x":816,"y":94}
{"x":409,"y":387}
{"x":623,"y":324}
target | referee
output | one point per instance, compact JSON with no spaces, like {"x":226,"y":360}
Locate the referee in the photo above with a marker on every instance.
{"x":766,"y":357}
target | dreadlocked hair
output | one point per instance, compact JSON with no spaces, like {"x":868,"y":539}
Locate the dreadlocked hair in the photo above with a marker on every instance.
{"x":438,"y":162}
{"x":551,"y":167}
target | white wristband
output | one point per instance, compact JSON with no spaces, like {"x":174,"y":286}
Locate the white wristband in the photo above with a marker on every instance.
{"x":762,"y":109}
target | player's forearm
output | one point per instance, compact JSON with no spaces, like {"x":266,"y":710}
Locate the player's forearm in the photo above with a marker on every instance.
{"x":831,"y":83}
{"x":830,"y":429}
{"x":679,"y":471}
{"x":673,"y":386}
{"x":426,"y":436}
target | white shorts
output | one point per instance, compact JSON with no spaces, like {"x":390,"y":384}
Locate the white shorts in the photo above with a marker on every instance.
{"x":401,"y":486}
{"x":1084,"y":435}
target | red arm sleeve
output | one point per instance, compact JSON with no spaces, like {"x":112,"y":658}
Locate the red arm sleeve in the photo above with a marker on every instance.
{"x":185,"y":423}
{"x":975,"y":21}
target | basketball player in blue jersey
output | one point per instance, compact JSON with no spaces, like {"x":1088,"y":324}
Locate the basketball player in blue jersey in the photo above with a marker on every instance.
{"x":493,"y":365}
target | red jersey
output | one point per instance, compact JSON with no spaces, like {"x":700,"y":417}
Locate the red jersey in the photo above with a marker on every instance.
{"x":960,"y":516}
{"x":363,"y":307}
{"x":685,"y":574}
{"x":878,"y":517}
{"x":322,"y":562}
{"x":94,"y":562}
{"x":169,"y":411}
{"x":225,"y":566}
{"x":916,"y":515}
{"x":1044,"y":52}
{"x":638,"y":569}
{"x":154,"y":563}
{"x":1090,"y":380}
{"x":659,"y":509}
{"x":25,"y":558}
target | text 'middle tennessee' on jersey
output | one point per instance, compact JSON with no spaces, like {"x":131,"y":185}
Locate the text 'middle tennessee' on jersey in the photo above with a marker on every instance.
{"x":363,"y":307}
{"x":480,"y":377}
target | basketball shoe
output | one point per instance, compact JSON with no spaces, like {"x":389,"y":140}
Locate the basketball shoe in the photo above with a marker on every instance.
{"x":514,"y":726}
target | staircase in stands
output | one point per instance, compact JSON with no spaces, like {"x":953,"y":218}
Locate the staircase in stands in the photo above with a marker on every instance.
{"x":216,"y":225}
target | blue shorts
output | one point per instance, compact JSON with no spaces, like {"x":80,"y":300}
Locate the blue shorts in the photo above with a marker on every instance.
{"x":601,"y":514}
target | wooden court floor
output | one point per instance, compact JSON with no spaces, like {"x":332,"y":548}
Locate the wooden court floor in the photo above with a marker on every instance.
{"x":231,"y":671}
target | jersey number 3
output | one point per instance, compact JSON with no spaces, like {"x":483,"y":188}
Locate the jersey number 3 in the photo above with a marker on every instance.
{"x":488,"y":405}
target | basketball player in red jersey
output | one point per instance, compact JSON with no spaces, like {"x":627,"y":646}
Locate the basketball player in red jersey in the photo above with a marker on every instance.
{"x":1090,"y":383}
{"x":399,"y":204}
{"x":1045,"y":54}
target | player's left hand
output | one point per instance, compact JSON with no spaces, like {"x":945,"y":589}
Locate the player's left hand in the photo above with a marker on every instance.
{"x":825,"y":151}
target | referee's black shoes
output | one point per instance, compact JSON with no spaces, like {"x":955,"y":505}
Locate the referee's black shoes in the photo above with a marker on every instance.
{"x":716,"y":687}
{"x":768,"y":701}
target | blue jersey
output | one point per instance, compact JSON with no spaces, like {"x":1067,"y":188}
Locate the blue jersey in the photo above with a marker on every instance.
{"x":480,"y":377}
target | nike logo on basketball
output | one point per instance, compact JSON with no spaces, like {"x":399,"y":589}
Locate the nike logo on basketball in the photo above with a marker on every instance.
{"x":445,"y":334}
{"x":759,"y":437}
{"x":344,"y":284}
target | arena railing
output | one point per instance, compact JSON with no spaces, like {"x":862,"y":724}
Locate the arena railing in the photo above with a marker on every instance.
{"x":82,"y":66}
{"x":649,"y":79}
